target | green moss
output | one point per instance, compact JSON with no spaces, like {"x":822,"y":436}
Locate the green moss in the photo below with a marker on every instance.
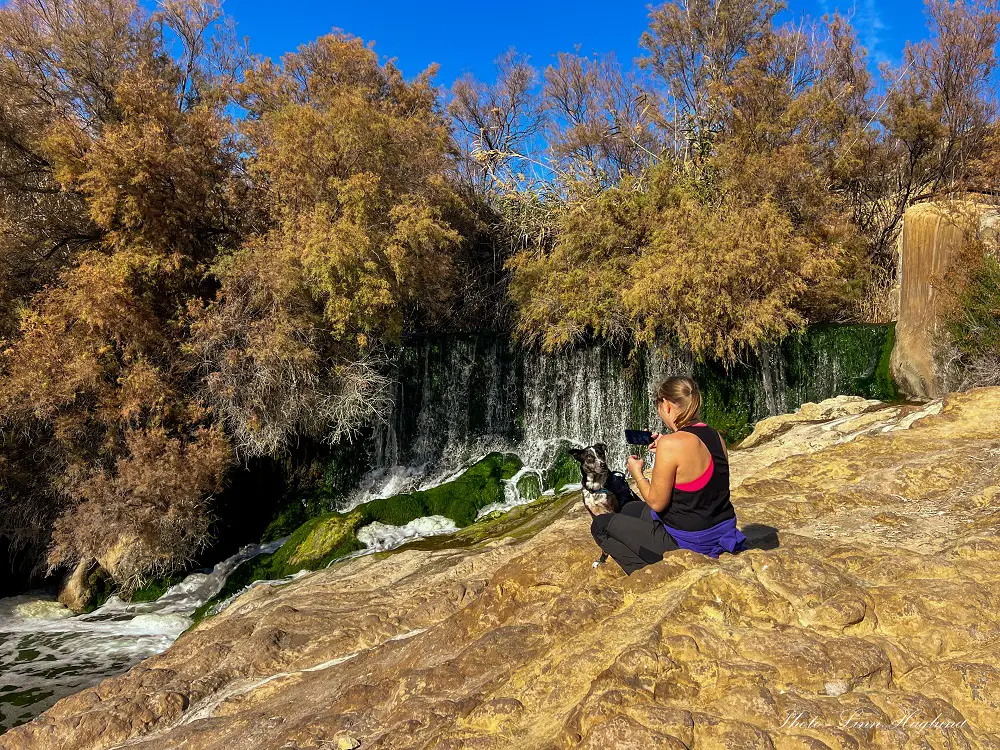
{"x":729,"y":398}
{"x":562,"y":470}
{"x":101,"y":587}
{"x":884,"y":385}
{"x":330,"y":536}
{"x":812,"y":365}
{"x":155,"y":588}
{"x":850,"y":360}
{"x":519,"y":523}
{"x":287,"y":521}
{"x":460,"y":500}
{"x":492,"y":516}
{"x":310,"y":547}
{"x":529,"y":488}
{"x":349,"y":460}
{"x":319,"y":541}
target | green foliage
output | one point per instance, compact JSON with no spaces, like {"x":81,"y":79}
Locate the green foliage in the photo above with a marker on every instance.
{"x":974,"y":320}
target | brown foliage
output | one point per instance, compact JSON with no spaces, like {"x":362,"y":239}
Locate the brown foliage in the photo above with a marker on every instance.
{"x":693,"y":47}
{"x":968,"y":298}
{"x":663,"y":264}
{"x":749,"y":111}
{"x":150,"y":514}
{"x":140,"y":150}
{"x":354,"y":162}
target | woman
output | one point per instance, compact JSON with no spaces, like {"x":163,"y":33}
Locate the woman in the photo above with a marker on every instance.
{"x":687,"y":503}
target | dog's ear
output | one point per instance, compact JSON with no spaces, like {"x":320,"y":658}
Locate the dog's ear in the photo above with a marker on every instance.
{"x":602,"y":451}
{"x":578,"y":453}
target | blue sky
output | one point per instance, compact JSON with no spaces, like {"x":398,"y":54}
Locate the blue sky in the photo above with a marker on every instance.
{"x":462,"y":36}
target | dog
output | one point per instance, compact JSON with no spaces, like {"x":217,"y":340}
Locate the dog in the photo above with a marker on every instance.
{"x":604,"y":491}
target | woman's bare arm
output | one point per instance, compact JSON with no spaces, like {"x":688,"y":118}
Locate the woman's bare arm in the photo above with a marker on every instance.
{"x":657,"y":492}
{"x":660,"y":489}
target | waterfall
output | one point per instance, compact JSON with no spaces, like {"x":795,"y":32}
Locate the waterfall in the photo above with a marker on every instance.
{"x":460,"y":397}
{"x":456,"y":399}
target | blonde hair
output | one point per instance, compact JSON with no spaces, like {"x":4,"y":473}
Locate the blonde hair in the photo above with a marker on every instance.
{"x":684,"y":392}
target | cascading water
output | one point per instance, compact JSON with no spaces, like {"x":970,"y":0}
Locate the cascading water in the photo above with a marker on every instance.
{"x":457,"y":399}
{"x":47,"y":653}
{"x":460,"y":397}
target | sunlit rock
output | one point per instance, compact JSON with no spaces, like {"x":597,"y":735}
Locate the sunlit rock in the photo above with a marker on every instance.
{"x":864,"y":615}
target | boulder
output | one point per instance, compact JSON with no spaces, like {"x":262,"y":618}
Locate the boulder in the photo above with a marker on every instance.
{"x":870,"y":618}
{"x":82,"y":587}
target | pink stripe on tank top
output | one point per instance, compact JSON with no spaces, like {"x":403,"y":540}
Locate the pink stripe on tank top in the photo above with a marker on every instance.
{"x":697,"y":484}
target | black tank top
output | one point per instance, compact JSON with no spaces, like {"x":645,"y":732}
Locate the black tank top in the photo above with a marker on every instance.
{"x":701,"y":504}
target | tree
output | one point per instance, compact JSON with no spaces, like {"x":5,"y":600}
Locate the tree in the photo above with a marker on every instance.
{"x":355,"y":245}
{"x":130,"y":154}
{"x":600,"y":127}
{"x":693,"y":46}
{"x":665,"y":264}
{"x":498,"y":125}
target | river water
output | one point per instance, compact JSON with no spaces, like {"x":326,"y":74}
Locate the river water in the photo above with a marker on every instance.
{"x":47,"y":653}
{"x":457,"y":399}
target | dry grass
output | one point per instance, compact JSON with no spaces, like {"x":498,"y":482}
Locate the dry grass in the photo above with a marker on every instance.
{"x":880,"y":302}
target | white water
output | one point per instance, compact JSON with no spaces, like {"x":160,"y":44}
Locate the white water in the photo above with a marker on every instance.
{"x":461,"y":400}
{"x":455,"y":404}
{"x":379,"y":536}
{"x":47,"y":653}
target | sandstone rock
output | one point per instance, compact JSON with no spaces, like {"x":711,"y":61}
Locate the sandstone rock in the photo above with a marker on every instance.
{"x":932,"y":233}
{"x":825,"y":411}
{"x":873,"y":622}
{"x":80,"y":588}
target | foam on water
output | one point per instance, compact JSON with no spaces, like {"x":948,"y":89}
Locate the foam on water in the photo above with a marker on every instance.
{"x":378,"y":536}
{"x":47,"y":653}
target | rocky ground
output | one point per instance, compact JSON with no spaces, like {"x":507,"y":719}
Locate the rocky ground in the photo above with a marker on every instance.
{"x":867,"y":615}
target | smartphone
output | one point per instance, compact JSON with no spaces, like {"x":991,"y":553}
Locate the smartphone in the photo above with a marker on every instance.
{"x":638,"y":437}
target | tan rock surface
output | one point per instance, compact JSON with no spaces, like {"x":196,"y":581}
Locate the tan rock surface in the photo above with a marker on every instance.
{"x":931,"y":236}
{"x":74,"y":593}
{"x":869,"y":618}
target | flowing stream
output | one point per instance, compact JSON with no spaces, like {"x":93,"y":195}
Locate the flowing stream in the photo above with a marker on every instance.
{"x":457,"y":398}
{"x":47,"y":653}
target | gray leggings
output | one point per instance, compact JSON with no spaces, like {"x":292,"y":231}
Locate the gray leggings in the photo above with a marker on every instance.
{"x":632,"y":536}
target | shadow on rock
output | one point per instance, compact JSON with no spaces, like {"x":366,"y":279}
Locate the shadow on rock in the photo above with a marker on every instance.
{"x":760,"y":536}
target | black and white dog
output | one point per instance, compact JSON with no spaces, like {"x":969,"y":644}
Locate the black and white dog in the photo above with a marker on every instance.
{"x":604,"y":491}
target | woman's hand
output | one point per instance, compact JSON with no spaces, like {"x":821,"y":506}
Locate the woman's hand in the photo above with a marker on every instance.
{"x":652,"y":446}
{"x":635,"y":467}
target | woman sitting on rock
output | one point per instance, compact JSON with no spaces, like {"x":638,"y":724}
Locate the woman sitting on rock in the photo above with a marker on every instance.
{"x":687,"y":503}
